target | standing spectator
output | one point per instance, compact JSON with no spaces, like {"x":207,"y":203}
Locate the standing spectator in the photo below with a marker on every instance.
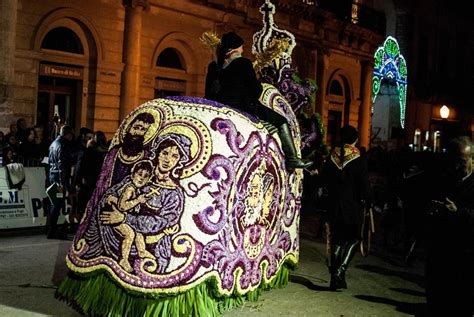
{"x":40,"y":140}
{"x":8,"y":156}
{"x":101,"y":142}
{"x":22,"y":132}
{"x":2,"y":141}
{"x":85,"y":134}
{"x":313,"y":148}
{"x":12,"y":144}
{"x":345,"y":175}
{"x":60,"y":164}
{"x":450,"y":263}
{"x":53,"y":127}
{"x":89,"y":169}
{"x":12,"y":141}
{"x":28,"y":148}
{"x":13,"y":131}
{"x":78,"y":149}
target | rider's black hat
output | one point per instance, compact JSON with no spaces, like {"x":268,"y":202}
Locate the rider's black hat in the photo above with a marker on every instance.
{"x":230,"y":41}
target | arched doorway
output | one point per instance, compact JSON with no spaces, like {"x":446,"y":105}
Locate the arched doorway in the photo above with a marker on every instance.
{"x":389,"y":88}
{"x":59,"y":84}
{"x":67,"y":53}
{"x":173,"y":66}
{"x":339,"y":111}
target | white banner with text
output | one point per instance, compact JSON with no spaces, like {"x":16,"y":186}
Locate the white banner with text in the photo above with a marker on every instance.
{"x":23,"y":208}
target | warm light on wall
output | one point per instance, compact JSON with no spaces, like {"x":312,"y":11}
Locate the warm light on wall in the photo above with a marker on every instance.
{"x":444,"y":112}
{"x":417,"y":140}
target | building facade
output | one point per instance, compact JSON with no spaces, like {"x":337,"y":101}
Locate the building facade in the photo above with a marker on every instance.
{"x":89,"y":63}
{"x":441,"y":53}
{"x":437,"y":40}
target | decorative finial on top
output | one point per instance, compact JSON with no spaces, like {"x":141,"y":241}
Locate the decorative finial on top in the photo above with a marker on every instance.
{"x":272,"y":48}
{"x":270,"y":32}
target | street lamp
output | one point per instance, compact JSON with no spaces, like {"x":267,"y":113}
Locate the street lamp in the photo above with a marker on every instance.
{"x":444,"y":112}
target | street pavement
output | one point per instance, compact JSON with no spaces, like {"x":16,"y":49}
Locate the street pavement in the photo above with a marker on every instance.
{"x":31,"y":267}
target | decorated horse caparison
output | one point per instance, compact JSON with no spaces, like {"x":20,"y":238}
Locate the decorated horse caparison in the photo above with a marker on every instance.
{"x":194,"y":211}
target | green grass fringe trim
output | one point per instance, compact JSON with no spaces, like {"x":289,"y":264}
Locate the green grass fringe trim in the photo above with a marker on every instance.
{"x":236,"y":300}
{"x":97,"y":295}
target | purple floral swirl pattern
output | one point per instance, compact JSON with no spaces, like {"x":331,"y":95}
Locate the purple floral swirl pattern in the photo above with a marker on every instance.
{"x":191,"y":190}
{"x":260,"y":202}
{"x":253,"y":233}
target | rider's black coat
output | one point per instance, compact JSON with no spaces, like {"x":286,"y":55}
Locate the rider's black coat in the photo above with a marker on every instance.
{"x":239,"y":86}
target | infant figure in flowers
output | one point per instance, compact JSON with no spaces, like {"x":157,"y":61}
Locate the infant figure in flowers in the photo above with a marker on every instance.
{"x":130,"y":199}
{"x":158,"y":203}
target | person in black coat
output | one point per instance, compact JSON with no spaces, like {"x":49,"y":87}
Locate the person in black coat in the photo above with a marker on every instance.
{"x":90,"y":168}
{"x":345,"y":177}
{"x":231,"y":80}
{"x":29,"y":150}
{"x":450,"y":236}
{"x":60,"y":163}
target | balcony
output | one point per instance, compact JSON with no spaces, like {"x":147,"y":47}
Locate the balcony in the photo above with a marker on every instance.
{"x":356,"y":13}
{"x":345,"y":10}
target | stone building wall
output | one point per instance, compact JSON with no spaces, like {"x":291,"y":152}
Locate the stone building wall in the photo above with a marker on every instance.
{"x":111,"y":84}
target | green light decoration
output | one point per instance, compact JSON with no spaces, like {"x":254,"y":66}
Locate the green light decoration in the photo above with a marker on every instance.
{"x":390,"y":64}
{"x":403,"y":67}
{"x":375,"y":89}
{"x":376,"y":85}
{"x":391,"y":47}
{"x":378,"y":57}
{"x":402,"y":96}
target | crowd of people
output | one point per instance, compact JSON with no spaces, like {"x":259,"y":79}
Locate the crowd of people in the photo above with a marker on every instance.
{"x":74,"y":163}
{"x":421,"y":199}
{"x":23,"y":144}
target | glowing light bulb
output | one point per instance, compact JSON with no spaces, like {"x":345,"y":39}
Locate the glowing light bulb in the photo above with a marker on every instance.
{"x":444,"y":112}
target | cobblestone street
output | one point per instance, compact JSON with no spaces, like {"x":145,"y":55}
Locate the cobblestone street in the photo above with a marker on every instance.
{"x":32,"y":266}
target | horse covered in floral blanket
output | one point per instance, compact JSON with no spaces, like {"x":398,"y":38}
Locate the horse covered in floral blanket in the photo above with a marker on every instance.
{"x":193,"y":212}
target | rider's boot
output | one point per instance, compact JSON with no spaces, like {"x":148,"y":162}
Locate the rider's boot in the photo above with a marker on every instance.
{"x":292,"y":161}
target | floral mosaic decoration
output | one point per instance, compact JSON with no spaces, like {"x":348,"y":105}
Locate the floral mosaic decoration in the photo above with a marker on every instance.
{"x":193,"y":211}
